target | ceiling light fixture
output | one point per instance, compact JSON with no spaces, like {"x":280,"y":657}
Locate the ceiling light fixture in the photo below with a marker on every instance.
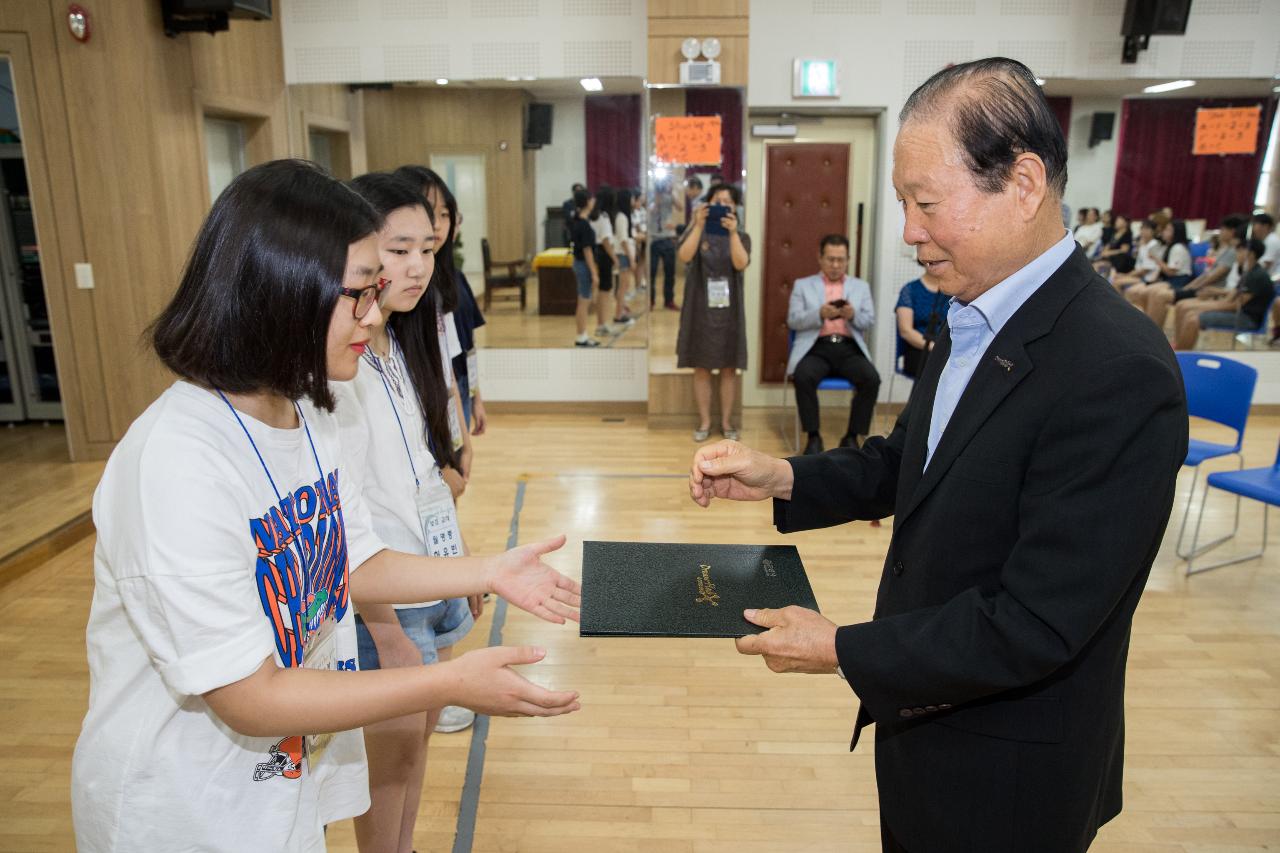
{"x":592,"y":84}
{"x":442,"y":81}
{"x":1169,"y":87}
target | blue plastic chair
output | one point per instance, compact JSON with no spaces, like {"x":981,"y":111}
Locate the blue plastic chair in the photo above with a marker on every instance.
{"x":1199,"y":257}
{"x":831,"y":383}
{"x":1258,"y":484}
{"x":1219,"y":390}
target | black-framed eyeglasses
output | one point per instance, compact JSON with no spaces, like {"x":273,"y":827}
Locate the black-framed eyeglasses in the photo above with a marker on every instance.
{"x":364,"y":296}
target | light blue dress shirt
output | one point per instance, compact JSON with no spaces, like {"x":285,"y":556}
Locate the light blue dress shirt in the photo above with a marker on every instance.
{"x":974,"y":325}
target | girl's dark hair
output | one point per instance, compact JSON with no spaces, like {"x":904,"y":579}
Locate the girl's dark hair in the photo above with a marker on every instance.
{"x":416,"y":331}
{"x":604,"y":204}
{"x":252,"y":310}
{"x":580,"y":199}
{"x":1179,"y":233}
{"x":624,"y":207}
{"x":445,"y":280}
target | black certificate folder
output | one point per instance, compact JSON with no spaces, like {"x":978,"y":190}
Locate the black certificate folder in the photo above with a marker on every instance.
{"x":642,"y":589}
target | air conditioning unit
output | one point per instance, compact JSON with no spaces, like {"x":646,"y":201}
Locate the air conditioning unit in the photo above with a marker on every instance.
{"x":700,"y":73}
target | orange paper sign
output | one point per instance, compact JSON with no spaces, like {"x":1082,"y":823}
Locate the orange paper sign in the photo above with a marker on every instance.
{"x":1228,"y":130}
{"x":687,"y":140}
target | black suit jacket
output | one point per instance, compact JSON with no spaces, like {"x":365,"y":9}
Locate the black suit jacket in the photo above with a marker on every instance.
{"x":994,"y":665}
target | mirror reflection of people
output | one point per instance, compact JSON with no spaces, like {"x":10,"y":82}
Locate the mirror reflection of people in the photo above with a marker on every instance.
{"x":626,"y":251}
{"x":606,"y":250}
{"x":829,"y":312}
{"x":582,"y":237}
{"x":662,"y":244}
{"x":234,"y":544}
{"x":713,"y":321}
{"x":1030,"y":480}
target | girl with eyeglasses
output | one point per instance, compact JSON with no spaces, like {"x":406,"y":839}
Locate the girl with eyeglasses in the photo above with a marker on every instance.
{"x":233,"y":541}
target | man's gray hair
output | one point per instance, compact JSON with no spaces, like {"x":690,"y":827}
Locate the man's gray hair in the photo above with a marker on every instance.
{"x":995,"y":112}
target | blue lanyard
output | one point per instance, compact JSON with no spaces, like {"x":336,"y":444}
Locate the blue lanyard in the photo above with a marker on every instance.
{"x":254,"y":445}
{"x":377,"y":365}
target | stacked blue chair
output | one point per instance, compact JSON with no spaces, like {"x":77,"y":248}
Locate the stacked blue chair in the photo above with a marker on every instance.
{"x":1219,"y":390}
{"x":1259,"y":484}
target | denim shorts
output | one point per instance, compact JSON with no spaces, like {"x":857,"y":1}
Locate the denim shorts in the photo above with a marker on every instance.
{"x":583,"y":273}
{"x":1226,"y":320}
{"x":436,"y":627}
{"x":624,"y":263}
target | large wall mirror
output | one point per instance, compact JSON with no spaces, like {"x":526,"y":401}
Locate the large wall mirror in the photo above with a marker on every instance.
{"x":511,"y":151}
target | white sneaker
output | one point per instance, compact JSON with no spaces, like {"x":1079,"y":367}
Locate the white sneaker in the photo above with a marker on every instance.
{"x":603,"y":331}
{"x":455,"y":719}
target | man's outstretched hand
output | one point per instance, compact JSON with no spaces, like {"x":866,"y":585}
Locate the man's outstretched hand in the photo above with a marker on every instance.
{"x":735,"y":472}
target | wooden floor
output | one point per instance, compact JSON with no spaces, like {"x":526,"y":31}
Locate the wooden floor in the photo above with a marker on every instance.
{"x":43,"y":490}
{"x":684,"y":745}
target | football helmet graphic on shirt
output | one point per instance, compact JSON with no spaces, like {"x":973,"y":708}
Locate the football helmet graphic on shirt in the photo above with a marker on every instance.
{"x":286,"y":760}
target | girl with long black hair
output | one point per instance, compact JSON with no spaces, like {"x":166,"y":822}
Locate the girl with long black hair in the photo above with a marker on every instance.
{"x":456,"y":296}
{"x":395,"y":412}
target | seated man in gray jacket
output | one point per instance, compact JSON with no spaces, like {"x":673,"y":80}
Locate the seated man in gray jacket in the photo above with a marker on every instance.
{"x":829,"y":312}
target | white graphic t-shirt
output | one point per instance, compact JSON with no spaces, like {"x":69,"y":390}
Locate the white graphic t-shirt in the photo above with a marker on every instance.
{"x":209,"y":560}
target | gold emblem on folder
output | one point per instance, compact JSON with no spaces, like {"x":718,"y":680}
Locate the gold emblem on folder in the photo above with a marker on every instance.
{"x":706,"y":589}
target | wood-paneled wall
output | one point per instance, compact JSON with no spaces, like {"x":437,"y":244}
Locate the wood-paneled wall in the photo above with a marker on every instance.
{"x":408,"y":125}
{"x":673,"y":21}
{"x":114,"y":139}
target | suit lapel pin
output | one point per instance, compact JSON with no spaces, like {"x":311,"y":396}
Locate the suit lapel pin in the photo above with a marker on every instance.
{"x":1005,"y":363}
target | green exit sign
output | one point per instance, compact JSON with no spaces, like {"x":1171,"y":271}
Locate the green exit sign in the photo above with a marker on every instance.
{"x":815,"y":78}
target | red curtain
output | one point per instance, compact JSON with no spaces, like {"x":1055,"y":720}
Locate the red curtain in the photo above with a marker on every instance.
{"x":1061,"y":107}
{"x":1155,"y":167}
{"x":726,"y":103}
{"x":613,"y":140}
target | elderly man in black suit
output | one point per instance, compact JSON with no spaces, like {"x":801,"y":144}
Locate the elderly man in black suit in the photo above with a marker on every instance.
{"x":1030,"y":476}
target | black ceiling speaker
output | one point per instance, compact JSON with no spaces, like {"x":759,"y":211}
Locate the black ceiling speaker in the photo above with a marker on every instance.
{"x":209,"y":16}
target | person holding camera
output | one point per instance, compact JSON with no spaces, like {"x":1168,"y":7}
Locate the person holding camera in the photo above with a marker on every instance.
{"x":713,"y":323}
{"x":828,"y":313}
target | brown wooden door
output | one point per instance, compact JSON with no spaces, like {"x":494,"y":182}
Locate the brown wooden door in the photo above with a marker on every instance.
{"x":807,"y":197}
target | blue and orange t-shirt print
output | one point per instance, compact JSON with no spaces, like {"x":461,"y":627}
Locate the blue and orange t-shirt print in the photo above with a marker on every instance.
{"x":301,"y":573}
{"x":302,"y":580}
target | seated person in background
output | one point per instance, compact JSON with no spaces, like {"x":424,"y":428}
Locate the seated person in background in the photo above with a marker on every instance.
{"x":922,"y":312}
{"x":1108,"y":227}
{"x":1117,"y":251}
{"x":1251,"y":298}
{"x":1207,"y":287}
{"x":1264,"y":229}
{"x":1089,"y":235}
{"x":1145,"y":270}
{"x":1214,"y":295}
{"x":1174,"y":273}
{"x":829,"y":312}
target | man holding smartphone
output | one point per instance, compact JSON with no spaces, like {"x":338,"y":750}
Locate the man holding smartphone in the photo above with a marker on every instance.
{"x":828,"y":313}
